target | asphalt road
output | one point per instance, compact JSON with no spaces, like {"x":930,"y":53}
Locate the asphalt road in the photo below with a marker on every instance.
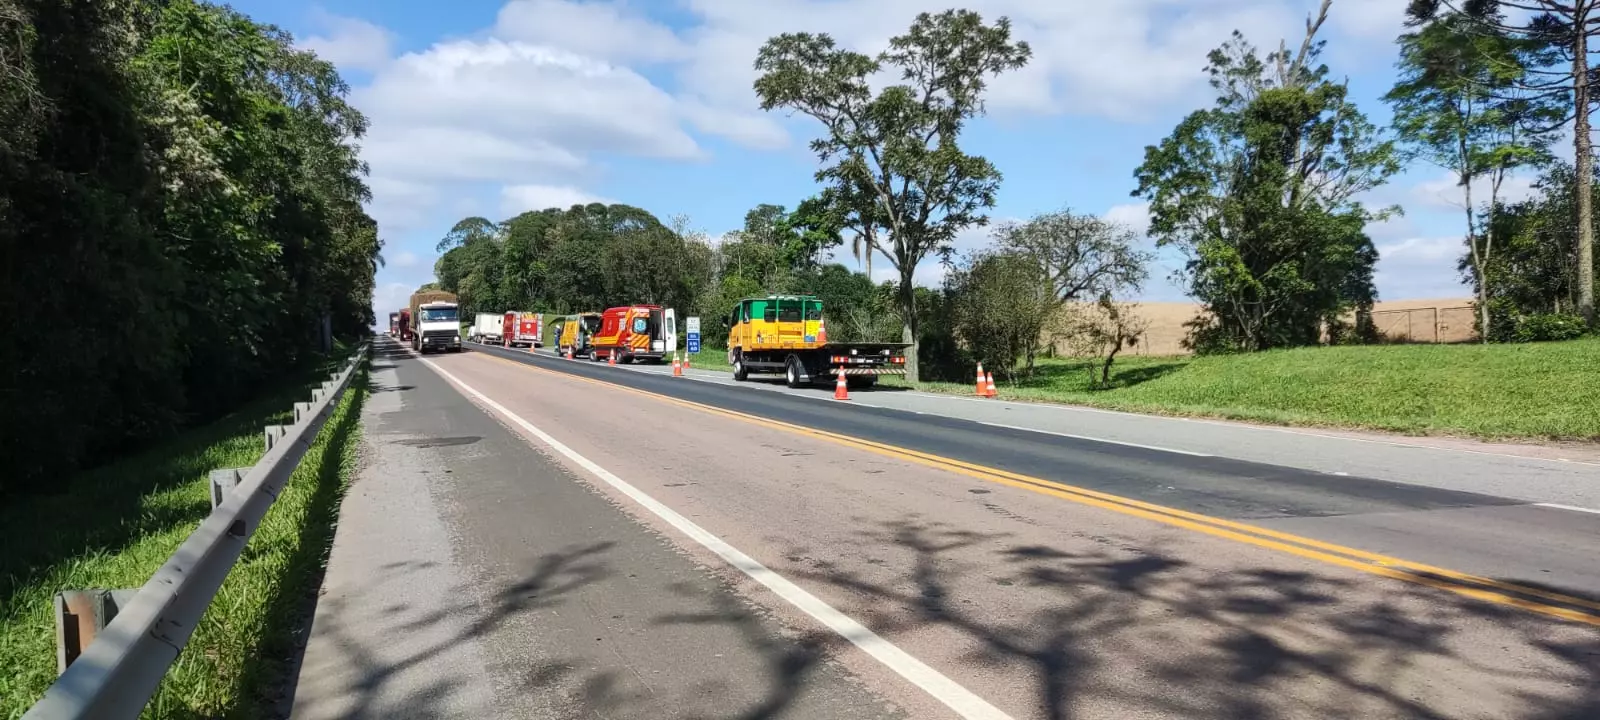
{"x":533,"y":537}
{"x":1419,"y":519}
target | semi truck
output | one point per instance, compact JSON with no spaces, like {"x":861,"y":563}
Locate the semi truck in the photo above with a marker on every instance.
{"x":787,"y":334}
{"x":635,"y":332}
{"x":438,"y":321}
{"x":522,"y":329}
{"x":405,"y":325}
{"x":394,"y":324}
{"x":485,"y":328}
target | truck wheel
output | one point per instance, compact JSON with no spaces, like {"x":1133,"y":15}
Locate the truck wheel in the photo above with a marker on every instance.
{"x":792,"y":372}
{"x":740,"y":374}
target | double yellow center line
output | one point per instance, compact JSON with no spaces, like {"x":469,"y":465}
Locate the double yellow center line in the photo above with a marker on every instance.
{"x":1529,"y":598}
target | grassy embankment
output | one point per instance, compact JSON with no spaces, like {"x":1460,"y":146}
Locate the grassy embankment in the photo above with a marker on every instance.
{"x":1539,"y":390}
{"x":115,"y":525}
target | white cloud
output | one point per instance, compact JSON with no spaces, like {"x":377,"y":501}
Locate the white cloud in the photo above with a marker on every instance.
{"x":518,"y":199}
{"x":405,"y":259}
{"x":1134,"y":216}
{"x":1420,"y":268}
{"x":600,"y":30}
{"x":553,"y":87}
{"x":350,"y":43}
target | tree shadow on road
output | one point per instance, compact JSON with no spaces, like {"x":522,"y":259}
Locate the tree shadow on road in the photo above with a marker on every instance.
{"x":1118,"y":631}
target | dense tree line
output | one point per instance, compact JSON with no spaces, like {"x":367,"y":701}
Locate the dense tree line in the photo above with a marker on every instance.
{"x":182,"y":212}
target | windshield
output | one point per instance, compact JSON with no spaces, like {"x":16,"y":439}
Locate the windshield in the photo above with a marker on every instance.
{"x":438,"y":315}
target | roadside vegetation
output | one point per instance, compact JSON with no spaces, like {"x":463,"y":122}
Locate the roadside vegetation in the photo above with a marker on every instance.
{"x":1262,"y":191}
{"x":115,"y":525}
{"x":182,"y":189}
{"x":1534,"y":390}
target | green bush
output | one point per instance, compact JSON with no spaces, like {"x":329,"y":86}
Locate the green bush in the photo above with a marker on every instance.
{"x":1549,"y":327}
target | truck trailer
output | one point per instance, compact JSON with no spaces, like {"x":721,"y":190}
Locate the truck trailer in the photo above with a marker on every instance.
{"x":787,"y":334}
{"x":394,"y":324}
{"x":405,"y":325}
{"x":485,"y":328}
{"x":438,"y":321}
{"x":522,"y":329}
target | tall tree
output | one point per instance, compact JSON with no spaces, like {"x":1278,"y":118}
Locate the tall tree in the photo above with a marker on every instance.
{"x":1082,"y":256}
{"x":900,"y":143}
{"x":1456,"y":104}
{"x":1260,"y":191}
{"x":1564,"y":29}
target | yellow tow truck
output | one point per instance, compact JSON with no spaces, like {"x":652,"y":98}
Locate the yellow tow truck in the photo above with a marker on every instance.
{"x":787,"y":334}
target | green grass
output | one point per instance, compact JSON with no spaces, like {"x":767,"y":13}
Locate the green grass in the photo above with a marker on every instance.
{"x":114,"y":526}
{"x":1539,"y":390}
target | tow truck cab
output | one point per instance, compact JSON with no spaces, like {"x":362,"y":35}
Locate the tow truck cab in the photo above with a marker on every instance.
{"x":787,"y":334}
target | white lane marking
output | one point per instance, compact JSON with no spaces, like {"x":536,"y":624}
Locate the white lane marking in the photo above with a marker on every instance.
{"x":963,"y":701}
{"x":1061,"y":407}
{"x":1094,"y":439}
{"x":1573,"y":508}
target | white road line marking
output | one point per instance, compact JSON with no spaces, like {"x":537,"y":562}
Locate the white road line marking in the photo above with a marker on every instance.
{"x":963,"y":701}
{"x":1573,"y":508}
{"x":1093,"y":439}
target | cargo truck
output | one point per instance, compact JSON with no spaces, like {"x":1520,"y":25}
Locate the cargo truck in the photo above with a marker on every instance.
{"x":438,"y":321}
{"x":522,"y":329}
{"x":635,"y":332}
{"x":394,"y":324}
{"x":405,"y":325}
{"x":485,"y":328}
{"x":787,"y":334}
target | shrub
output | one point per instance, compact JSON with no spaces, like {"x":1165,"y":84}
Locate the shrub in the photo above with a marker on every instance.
{"x":1549,"y":327}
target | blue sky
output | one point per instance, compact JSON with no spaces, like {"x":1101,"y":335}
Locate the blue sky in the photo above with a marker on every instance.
{"x":490,"y":107}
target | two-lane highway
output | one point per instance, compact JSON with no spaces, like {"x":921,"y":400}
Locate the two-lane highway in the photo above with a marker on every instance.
{"x":741,"y":553}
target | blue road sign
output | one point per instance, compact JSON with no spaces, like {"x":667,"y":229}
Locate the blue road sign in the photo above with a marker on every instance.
{"x":694,"y":342}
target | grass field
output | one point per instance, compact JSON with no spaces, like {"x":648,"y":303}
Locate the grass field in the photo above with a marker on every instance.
{"x":114,"y":526}
{"x":1539,"y":390}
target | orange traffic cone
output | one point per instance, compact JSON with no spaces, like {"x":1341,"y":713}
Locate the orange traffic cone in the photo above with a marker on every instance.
{"x":611,"y":358}
{"x":981,"y":390}
{"x":841,"y":389}
{"x":990,"y":389}
{"x":686,"y":361}
{"x":569,"y":353}
{"x":677,"y":369}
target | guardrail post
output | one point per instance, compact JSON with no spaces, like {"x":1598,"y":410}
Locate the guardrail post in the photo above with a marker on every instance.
{"x":272,"y":433}
{"x":301,"y":411}
{"x":81,"y":615}
{"x":223,"y":482}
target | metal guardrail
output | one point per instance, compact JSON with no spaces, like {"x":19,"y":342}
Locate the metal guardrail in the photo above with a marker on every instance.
{"x":119,"y":671}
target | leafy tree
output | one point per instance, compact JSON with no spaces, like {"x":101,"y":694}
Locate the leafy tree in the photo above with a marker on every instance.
{"x":184,"y":184}
{"x":814,"y":227}
{"x":1081,"y":256}
{"x":900,"y":143}
{"x":1260,"y":192}
{"x":1535,"y":271}
{"x":1563,"y":30}
{"x":1002,"y":301}
{"x":1456,"y":105}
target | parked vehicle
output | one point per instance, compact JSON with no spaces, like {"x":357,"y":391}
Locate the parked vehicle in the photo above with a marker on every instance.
{"x":485,"y":329}
{"x":575,"y":333}
{"x":636,"y":332}
{"x":438,"y":319}
{"x":787,"y":334}
{"x":394,"y":324}
{"x":522,"y":329}
{"x":405,"y":325}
